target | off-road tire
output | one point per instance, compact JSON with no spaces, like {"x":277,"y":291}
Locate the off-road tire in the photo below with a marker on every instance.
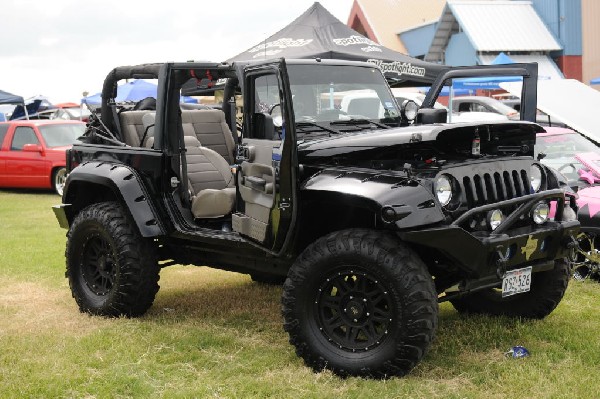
{"x":267,"y":279}
{"x":374,"y":277}
{"x":59,"y":176}
{"x":112,"y":269}
{"x":547,"y":290}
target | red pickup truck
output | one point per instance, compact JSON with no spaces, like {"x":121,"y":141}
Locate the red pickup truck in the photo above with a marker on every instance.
{"x":32,"y":152}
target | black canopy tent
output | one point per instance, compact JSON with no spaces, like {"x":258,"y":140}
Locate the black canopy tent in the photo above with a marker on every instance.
{"x":318,"y":34}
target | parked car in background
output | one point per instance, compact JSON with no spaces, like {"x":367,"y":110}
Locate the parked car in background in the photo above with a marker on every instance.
{"x":32,"y":152}
{"x":453,"y":117}
{"x":578,"y":160}
{"x":71,"y":113}
{"x":65,"y":113}
{"x":466,"y":104}
{"x":483,"y":104}
{"x":513,"y":102}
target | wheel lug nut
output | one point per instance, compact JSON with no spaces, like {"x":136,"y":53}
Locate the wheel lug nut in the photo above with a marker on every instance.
{"x":356,"y":321}
{"x":351,"y":297}
{"x":368,"y":314}
{"x":364,"y":299}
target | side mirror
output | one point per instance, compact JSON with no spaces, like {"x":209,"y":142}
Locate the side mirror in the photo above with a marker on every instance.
{"x":32,"y":148}
{"x":427,"y":116}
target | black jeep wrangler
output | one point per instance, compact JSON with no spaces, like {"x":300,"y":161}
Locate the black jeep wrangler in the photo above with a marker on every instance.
{"x":369,"y":212}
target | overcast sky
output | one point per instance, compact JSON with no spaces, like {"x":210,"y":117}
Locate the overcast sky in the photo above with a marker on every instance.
{"x":60,"y":48}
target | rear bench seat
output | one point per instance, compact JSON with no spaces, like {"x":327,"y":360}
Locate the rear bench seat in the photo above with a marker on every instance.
{"x":132,"y":126}
{"x":206,"y":125}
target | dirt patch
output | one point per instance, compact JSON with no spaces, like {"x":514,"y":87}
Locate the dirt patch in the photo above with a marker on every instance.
{"x":34,"y":308}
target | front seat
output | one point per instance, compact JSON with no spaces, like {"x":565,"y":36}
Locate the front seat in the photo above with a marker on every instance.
{"x":211,"y":182}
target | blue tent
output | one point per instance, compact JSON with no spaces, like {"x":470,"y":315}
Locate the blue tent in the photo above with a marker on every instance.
{"x":502,"y":59}
{"x":135,"y":90}
{"x":446,"y":91}
{"x":491,"y":82}
{"x":595,"y":81}
{"x":488,"y":83}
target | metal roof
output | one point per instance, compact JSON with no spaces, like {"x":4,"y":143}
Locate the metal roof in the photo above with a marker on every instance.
{"x":492,"y":25}
{"x":547,"y":69}
{"x":387,"y":17}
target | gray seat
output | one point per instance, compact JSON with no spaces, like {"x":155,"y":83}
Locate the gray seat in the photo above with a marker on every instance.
{"x":148,"y":124}
{"x":132,"y":126}
{"x":211,"y":181}
{"x":210,"y":128}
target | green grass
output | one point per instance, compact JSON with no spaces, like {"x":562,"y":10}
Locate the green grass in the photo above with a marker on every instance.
{"x":217,"y":334}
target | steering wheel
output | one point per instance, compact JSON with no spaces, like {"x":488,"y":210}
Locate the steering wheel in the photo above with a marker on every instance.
{"x":272,"y":107}
{"x":330,"y":113}
{"x":568,"y":165}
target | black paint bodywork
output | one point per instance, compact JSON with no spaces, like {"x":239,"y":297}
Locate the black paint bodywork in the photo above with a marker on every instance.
{"x":381,"y":179}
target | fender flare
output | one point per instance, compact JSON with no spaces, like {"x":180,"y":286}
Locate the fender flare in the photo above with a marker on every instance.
{"x":394,"y":199}
{"x":124,"y":183}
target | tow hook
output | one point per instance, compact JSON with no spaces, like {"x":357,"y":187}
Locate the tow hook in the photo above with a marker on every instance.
{"x":501,"y":261}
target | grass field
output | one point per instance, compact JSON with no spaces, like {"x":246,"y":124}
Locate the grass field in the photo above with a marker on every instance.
{"x":218,"y":335}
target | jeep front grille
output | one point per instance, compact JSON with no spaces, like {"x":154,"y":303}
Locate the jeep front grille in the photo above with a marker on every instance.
{"x":487,"y":188}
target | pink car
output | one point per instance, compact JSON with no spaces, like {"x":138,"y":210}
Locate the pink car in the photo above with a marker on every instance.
{"x":578,"y":160}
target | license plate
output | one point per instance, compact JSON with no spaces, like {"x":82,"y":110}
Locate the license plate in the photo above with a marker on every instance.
{"x":516,"y":281}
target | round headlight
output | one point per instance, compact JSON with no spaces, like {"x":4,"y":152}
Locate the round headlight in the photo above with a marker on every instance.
{"x":535,"y":176}
{"x":495,"y":218}
{"x":409,"y":109}
{"x":540,"y":213}
{"x":443,"y":190}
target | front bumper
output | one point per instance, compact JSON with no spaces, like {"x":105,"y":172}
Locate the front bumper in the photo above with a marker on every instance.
{"x":486,"y":253}
{"x":61,"y":215}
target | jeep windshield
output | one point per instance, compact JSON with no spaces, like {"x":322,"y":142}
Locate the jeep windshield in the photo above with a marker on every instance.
{"x":333,"y":98}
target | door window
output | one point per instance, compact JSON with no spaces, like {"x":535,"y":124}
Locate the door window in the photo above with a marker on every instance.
{"x":23,"y":135}
{"x":479,"y":108}
{"x":3,"y":130}
{"x":268,"y":122}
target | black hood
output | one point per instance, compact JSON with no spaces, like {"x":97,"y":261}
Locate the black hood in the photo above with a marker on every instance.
{"x":453,"y":140}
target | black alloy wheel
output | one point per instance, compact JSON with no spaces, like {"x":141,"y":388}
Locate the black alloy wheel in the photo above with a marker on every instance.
{"x":546,"y":292}
{"x":112,"y":269}
{"x":98,"y":265}
{"x":354,"y":309}
{"x":360,"y":303}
